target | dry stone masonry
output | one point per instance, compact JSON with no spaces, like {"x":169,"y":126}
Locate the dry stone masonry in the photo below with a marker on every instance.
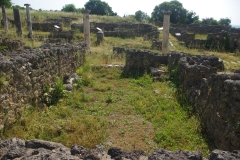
{"x":123,"y":30}
{"x":45,"y":26}
{"x":38,"y":149}
{"x":24,"y":73}
{"x":219,"y":38}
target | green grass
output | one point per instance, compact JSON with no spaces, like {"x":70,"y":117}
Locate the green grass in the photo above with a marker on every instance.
{"x":201,"y":36}
{"x":83,"y":116}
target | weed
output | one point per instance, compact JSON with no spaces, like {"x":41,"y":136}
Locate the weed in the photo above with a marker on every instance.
{"x":4,"y":48}
{"x":53,"y":95}
{"x":110,"y":98}
{"x":122,"y":131}
{"x":143,"y":81}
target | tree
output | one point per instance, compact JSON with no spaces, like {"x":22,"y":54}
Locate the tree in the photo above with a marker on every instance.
{"x":99,"y":8}
{"x":225,"y":22}
{"x":18,"y":7}
{"x":178,"y":12}
{"x":7,"y":3}
{"x":209,"y":21}
{"x":69,"y":8}
{"x":141,"y":16}
{"x":191,"y":17}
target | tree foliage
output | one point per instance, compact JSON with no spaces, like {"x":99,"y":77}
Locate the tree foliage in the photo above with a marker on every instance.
{"x":71,"y":8}
{"x":179,"y":13}
{"x":191,"y":17}
{"x":141,"y":16}
{"x":209,"y":21}
{"x":225,"y":22}
{"x":7,"y":3}
{"x":99,"y":8}
{"x":18,"y":7}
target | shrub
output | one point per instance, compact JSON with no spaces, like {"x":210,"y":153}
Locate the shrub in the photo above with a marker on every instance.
{"x":53,"y":95}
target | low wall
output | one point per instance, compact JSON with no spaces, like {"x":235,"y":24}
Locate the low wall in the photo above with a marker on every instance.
{"x":68,"y":35}
{"x":45,"y":27}
{"x":139,"y":61}
{"x":215,"y":96}
{"x":37,"y":149}
{"x":23,"y":74}
{"x":123,"y":30}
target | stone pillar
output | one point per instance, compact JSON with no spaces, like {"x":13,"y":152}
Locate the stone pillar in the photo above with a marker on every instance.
{"x":86,"y":28}
{"x":17,"y":20}
{"x":100,"y":36}
{"x":4,"y":19}
{"x":166,"y":23}
{"x":29,"y":21}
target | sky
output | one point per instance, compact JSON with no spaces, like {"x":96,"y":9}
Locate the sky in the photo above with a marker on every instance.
{"x":203,"y":8}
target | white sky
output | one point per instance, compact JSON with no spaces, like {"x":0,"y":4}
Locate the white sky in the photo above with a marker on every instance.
{"x":203,"y":8}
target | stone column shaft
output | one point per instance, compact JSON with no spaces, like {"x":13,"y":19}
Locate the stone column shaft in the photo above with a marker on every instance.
{"x":17,"y":20}
{"x":4,"y":19}
{"x":29,"y":21}
{"x":166,"y":23}
{"x":86,"y":28}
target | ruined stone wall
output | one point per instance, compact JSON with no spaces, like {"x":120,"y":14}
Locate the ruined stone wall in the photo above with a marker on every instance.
{"x":123,"y":30}
{"x":15,"y":148}
{"x":215,"y":96}
{"x":68,"y":35}
{"x":45,"y":27}
{"x":23,"y":74}
{"x":139,"y":61}
{"x":219,"y":40}
{"x":122,"y":34}
{"x":206,"y":29}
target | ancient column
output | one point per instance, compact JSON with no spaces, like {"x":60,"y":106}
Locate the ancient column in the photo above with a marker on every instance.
{"x":166,"y":23}
{"x":100,"y":36}
{"x":86,"y":28}
{"x":17,"y":21}
{"x":4,"y":19}
{"x":29,"y":21}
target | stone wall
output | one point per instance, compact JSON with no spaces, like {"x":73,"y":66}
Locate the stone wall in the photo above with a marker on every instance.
{"x":45,"y":27}
{"x":68,"y":35}
{"x":218,"y":40}
{"x":214,"y":95}
{"x":123,"y":30}
{"x":38,"y":149}
{"x":23,"y":74}
{"x":62,"y":20}
{"x":138,"y":62}
{"x":11,"y":45}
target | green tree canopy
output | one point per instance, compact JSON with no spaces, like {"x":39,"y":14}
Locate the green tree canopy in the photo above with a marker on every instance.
{"x":99,"y":8}
{"x":225,"y":22}
{"x":69,"y":8}
{"x":18,"y":7}
{"x":141,"y":16}
{"x":7,"y":3}
{"x":191,"y":17}
{"x":209,"y":21}
{"x":179,"y":14}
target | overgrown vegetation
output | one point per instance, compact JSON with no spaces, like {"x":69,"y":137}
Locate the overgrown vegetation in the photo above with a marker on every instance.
{"x":52,"y":94}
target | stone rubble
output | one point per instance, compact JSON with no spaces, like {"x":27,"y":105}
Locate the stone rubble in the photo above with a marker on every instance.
{"x":18,"y":149}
